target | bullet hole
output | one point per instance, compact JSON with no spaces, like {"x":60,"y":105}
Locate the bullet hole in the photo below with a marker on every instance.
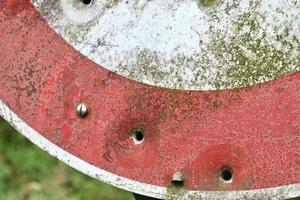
{"x":86,"y":2}
{"x":226,"y":174}
{"x":177,"y":183}
{"x":137,"y":135}
{"x":177,"y":179}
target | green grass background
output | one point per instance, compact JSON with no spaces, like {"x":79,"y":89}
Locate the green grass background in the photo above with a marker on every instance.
{"x":28,"y":173}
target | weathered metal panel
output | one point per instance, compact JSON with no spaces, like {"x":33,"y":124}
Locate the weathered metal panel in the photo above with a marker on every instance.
{"x":136,"y":136}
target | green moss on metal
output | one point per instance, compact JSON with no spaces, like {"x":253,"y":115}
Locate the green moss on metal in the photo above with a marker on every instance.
{"x":248,"y":54}
{"x":146,"y":66}
{"x":241,"y":57}
{"x":206,"y":2}
{"x":250,"y":57}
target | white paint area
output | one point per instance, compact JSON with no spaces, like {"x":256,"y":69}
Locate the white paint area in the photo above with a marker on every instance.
{"x":282,"y":192}
{"x":182,"y":44}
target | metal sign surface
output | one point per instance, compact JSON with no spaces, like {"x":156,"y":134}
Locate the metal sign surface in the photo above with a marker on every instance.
{"x":225,"y":124}
{"x":187,"y":44}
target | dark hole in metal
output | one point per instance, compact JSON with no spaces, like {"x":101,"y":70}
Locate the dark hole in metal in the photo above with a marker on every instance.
{"x":138,"y":135}
{"x":226,"y":174}
{"x":178,"y":183}
{"x":178,"y":179}
{"x":86,"y":2}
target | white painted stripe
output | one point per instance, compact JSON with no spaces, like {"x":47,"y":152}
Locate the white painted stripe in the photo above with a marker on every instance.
{"x":282,"y":192}
{"x":182,"y":44}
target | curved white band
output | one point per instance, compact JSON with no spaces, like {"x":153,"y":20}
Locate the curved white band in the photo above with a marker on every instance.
{"x":183,"y":44}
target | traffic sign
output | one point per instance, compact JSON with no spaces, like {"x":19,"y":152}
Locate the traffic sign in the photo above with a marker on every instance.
{"x":184,"y":99}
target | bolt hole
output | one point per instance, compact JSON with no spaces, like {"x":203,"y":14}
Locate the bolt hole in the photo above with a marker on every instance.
{"x":137,"y":135}
{"x":177,"y":183}
{"x":177,"y":179}
{"x":86,"y":2}
{"x":226,"y":174}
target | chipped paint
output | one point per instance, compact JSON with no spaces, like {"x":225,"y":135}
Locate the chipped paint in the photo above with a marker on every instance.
{"x":189,"y":44}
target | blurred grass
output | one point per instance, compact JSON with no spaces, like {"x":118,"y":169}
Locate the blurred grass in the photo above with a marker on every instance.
{"x":28,"y":173}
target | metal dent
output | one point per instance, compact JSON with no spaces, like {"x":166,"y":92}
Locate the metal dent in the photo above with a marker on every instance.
{"x":288,"y":191}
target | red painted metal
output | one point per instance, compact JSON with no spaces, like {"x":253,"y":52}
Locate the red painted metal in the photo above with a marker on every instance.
{"x":255,"y":131}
